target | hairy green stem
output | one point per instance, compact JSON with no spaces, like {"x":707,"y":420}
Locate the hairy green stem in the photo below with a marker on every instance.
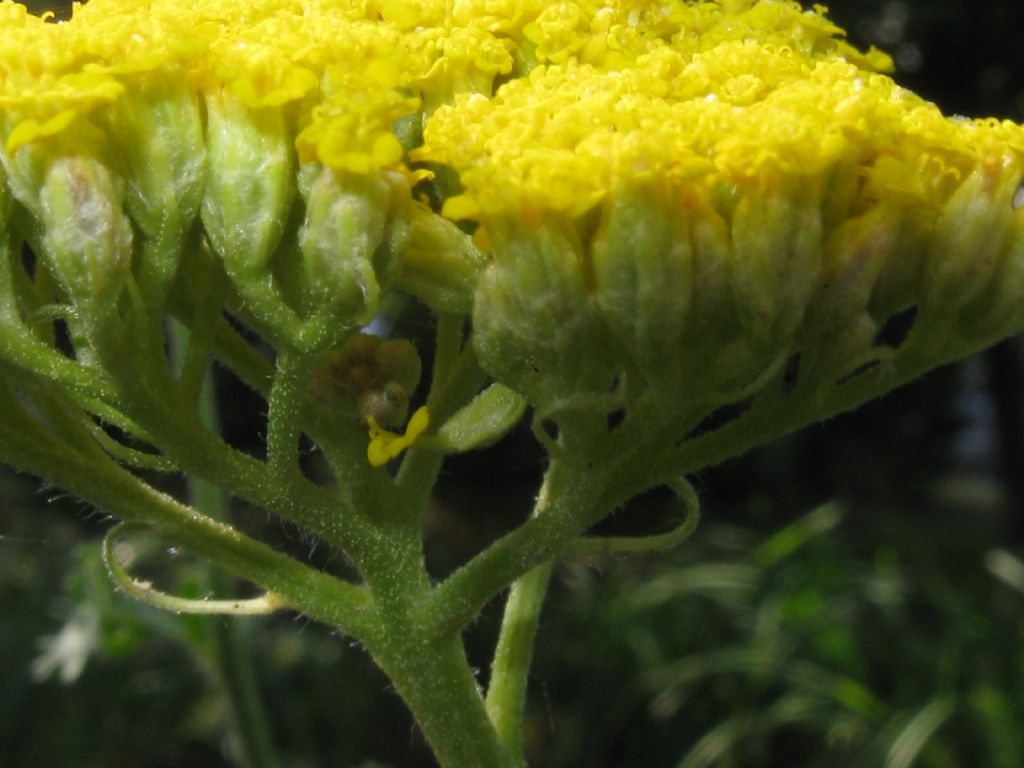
{"x":641,"y":464}
{"x":229,"y":651}
{"x":26,"y":446}
{"x":506,"y":694}
{"x":283,"y":408}
{"x":27,"y":354}
{"x":447,"y":351}
{"x":203,"y":454}
{"x":437,"y":684}
{"x":574,"y":505}
{"x":430,"y":672}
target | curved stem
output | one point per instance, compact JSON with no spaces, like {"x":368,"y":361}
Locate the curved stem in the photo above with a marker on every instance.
{"x":579,"y":502}
{"x":25,"y":445}
{"x":687,"y":499}
{"x":506,"y":695}
{"x":229,"y":648}
{"x":144,"y":591}
{"x":638,"y":467}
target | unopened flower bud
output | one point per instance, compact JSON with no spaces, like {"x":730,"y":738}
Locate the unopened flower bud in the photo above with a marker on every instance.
{"x":899,"y":283}
{"x":776,"y":256}
{"x":718,"y":358}
{"x":839,"y":328}
{"x":970,"y":240}
{"x":352,"y":241}
{"x":87,"y":238}
{"x":661,"y":260}
{"x":999,"y":312}
{"x":8,"y":301}
{"x":441,"y":266}
{"x":643,"y":270}
{"x":536,"y":326}
{"x":249,"y":185}
{"x":161,"y":136}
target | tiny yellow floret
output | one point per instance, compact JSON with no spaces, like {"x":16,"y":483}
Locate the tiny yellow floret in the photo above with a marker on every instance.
{"x":385,"y":446}
{"x":30,"y":130}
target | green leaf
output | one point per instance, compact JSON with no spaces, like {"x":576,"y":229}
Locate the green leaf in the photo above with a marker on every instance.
{"x":917,"y":733}
{"x":484,"y":421}
{"x":797,"y":534}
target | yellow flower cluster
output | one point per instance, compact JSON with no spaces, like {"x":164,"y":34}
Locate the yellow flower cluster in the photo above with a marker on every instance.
{"x":348,"y":68}
{"x":266,"y":55}
{"x":599,"y":91}
{"x":723,"y":98}
{"x":713,"y":184}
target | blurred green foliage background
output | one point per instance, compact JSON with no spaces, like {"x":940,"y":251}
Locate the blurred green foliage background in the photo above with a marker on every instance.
{"x":854,"y":597}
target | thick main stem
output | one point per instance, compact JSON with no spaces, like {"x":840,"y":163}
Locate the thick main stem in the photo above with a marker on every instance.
{"x":429,"y":671}
{"x":437,"y":684}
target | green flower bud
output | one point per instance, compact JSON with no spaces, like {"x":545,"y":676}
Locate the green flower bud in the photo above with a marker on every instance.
{"x":441,"y":266}
{"x":352,"y":241}
{"x":161,"y":137}
{"x":25,"y":172}
{"x":899,"y":283}
{"x":839,"y":328}
{"x":661,"y":267}
{"x":776,"y":257}
{"x":249,"y":185}
{"x":999,"y":311}
{"x":87,"y":238}
{"x":841,"y":189}
{"x":5,"y":197}
{"x":718,"y":359}
{"x":969,"y":242}
{"x":643,"y":271}
{"x":536,"y":326}
{"x":9,"y":314}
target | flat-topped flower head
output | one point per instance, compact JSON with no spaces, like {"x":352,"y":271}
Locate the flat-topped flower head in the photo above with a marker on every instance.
{"x":669,"y":230}
{"x":272,"y":85}
{"x":667,"y":196}
{"x":563,"y":137}
{"x":681,"y":210}
{"x":216,"y":106}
